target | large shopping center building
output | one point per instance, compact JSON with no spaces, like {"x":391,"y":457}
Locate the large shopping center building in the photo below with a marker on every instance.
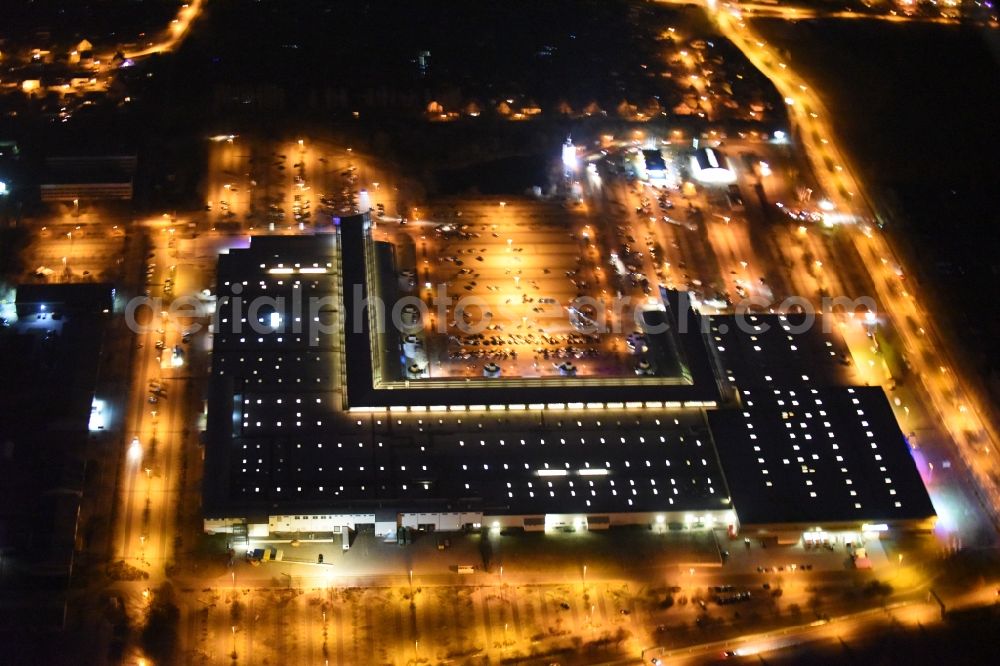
{"x":317,"y":423}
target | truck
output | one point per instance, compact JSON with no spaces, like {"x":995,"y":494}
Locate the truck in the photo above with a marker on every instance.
{"x":269,"y":554}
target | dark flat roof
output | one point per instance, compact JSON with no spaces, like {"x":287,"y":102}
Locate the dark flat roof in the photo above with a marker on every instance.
{"x":654,"y":160}
{"x":773,"y":350}
{"x":92,"y":297}
{"x":518,"y":464}
{"x":280,"y":440}
{"x":297,"y":358}
{"x":818,"y":455}
{"x":278,"y":436}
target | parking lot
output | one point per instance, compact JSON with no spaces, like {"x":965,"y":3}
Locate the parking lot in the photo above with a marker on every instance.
{"x":525,"y":290}
{"x":288,"y":185}
{"x":618,"y":592}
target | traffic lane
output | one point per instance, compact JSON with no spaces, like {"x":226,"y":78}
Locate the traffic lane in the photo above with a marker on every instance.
{"x":172,"y":408}
{"x":159,"y":436}
{"x":757,"y":646}
{"x":941,"y":400}
{"x":135,"y":417}
{"x":147,"y":370}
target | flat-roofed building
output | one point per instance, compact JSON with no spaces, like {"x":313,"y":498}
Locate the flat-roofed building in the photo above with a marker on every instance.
{"x":312,"y":429}
{"x":797,"y":458}
{"x":107,"y":177}
{"x":711,"y":166}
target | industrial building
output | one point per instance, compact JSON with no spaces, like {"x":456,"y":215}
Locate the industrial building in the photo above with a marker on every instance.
{"x":90,"y":178}
{"x":711,"y":167}
{"x":310,"y":432}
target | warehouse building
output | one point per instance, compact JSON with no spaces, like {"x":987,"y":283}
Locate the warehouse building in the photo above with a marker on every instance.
{"x":764,"y":432}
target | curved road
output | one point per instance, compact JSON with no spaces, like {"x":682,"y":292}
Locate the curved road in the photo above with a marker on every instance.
{"x":174,"y":33}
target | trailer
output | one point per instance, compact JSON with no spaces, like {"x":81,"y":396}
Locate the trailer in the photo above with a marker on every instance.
{"x":269,"y":554}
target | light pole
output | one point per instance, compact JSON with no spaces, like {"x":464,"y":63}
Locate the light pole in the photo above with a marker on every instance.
{"x":66,"y":269}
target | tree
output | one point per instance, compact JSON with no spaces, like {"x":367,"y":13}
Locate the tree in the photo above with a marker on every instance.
{"x":159,"y":634}
{"x":486,"y":549}
{"x":815,"y":603}
{"x":13,"y":242}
